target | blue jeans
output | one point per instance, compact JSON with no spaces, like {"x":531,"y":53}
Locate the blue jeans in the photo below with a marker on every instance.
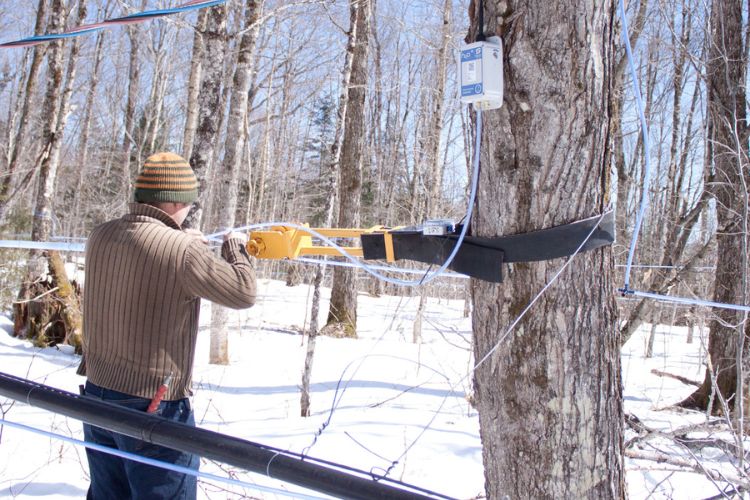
{"x":113,"y":477}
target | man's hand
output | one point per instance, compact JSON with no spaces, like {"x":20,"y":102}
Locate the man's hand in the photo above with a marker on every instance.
{"x":196,"y":233}
{"x":234,"y":234}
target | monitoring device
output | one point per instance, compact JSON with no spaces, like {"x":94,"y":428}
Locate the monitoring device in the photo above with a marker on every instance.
{"x":481,"y":73}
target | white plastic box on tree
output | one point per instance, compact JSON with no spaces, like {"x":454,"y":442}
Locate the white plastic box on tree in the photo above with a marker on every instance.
{"x":481,"y":73}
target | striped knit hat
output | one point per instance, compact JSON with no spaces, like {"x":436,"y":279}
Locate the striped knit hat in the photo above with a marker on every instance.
{"x":166,"y":177}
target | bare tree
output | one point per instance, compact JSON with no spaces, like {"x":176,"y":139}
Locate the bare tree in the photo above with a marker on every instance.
{"x":676,"y":202}
{"x":19,"y":141}
{"x":226,"y":189}
{"x":209,"y":109}
{"x":549,"y":397}
{"x":728,"y":134}
{"x":134,"y":88}
{"x":56,"y":109}
{"x":342,"y":314}
{"x":191,"y":109}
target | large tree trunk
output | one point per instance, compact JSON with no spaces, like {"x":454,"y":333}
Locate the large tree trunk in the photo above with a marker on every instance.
{"x":550,"y":396}
{"x":225,"y":204}
{"x":728,"y":136}
{"x":342,"y":314}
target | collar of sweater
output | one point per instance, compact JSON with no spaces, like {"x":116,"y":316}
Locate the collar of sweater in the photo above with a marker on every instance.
{"x":141,"y":209}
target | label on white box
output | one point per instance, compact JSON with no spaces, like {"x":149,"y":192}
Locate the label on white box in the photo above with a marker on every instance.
{"x":471,"y":71}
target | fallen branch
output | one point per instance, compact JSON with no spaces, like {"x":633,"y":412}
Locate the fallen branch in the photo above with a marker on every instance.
{"x":682,"y":379}
{"x":680,"y":434}
{"x":696,"y":466}
{"x":37,"y":298}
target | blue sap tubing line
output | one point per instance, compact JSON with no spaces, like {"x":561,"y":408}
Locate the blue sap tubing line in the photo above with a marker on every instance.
{"x":646,"y":145}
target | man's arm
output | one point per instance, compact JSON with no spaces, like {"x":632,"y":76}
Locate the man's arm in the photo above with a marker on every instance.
{"x":228,"y":281}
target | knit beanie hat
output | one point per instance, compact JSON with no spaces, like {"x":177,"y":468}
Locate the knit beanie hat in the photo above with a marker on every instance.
{"x":166,"y":177}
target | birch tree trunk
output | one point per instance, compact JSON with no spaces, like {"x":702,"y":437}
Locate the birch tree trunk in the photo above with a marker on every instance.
{"x":194,"y":82}
{"x":209,"y":111}
{"x":434,"y":179}
{"x":134,"y":88}
{"x":84,"y":169}
{"x":728,"y":136}
{"x":225,"y":196}
{"x":342,"y":314}
{"x":550,"y":397}
{"x":330,"y":179}
{"x":56,"y":108}
{"x":54,"y":115}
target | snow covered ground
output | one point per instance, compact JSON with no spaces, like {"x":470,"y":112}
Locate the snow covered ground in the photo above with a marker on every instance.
{"x":396,"y":401}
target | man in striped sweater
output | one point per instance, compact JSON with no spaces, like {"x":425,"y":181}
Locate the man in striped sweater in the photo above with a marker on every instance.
{"x":145,"y":277}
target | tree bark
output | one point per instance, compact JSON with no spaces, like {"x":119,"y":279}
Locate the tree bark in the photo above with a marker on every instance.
{"x":342,"y":314}
{"x":728,"y":136}
{"x":436,"y":118}
{"x":550,"y":397}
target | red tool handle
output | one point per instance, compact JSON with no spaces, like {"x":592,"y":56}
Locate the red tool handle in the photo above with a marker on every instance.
{"x":157,"y":398}
{"x":159,"y":395}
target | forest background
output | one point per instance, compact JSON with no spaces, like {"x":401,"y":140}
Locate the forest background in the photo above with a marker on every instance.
{"x":127,"y":92}
{"x":257,"y":98}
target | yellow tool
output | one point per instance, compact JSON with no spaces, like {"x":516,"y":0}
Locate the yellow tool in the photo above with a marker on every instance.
{"x":282,"y":242}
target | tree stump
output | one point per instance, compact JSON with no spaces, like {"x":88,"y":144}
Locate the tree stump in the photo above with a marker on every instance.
{"x":48,"y":311}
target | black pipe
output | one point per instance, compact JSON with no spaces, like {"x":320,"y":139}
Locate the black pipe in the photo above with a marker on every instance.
{"x":212,"y":445}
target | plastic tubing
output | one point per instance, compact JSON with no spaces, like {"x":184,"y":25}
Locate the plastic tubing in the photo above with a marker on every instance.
{"x":646,"y":146}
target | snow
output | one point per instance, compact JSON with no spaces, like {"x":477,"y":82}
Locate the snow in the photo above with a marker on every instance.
{"x":396,"y":400}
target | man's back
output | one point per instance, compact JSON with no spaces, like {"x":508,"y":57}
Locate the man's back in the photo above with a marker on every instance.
{"x":144,"y":280}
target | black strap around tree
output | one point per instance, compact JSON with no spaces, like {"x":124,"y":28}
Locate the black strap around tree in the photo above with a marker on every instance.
{"x":482,"y":257}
